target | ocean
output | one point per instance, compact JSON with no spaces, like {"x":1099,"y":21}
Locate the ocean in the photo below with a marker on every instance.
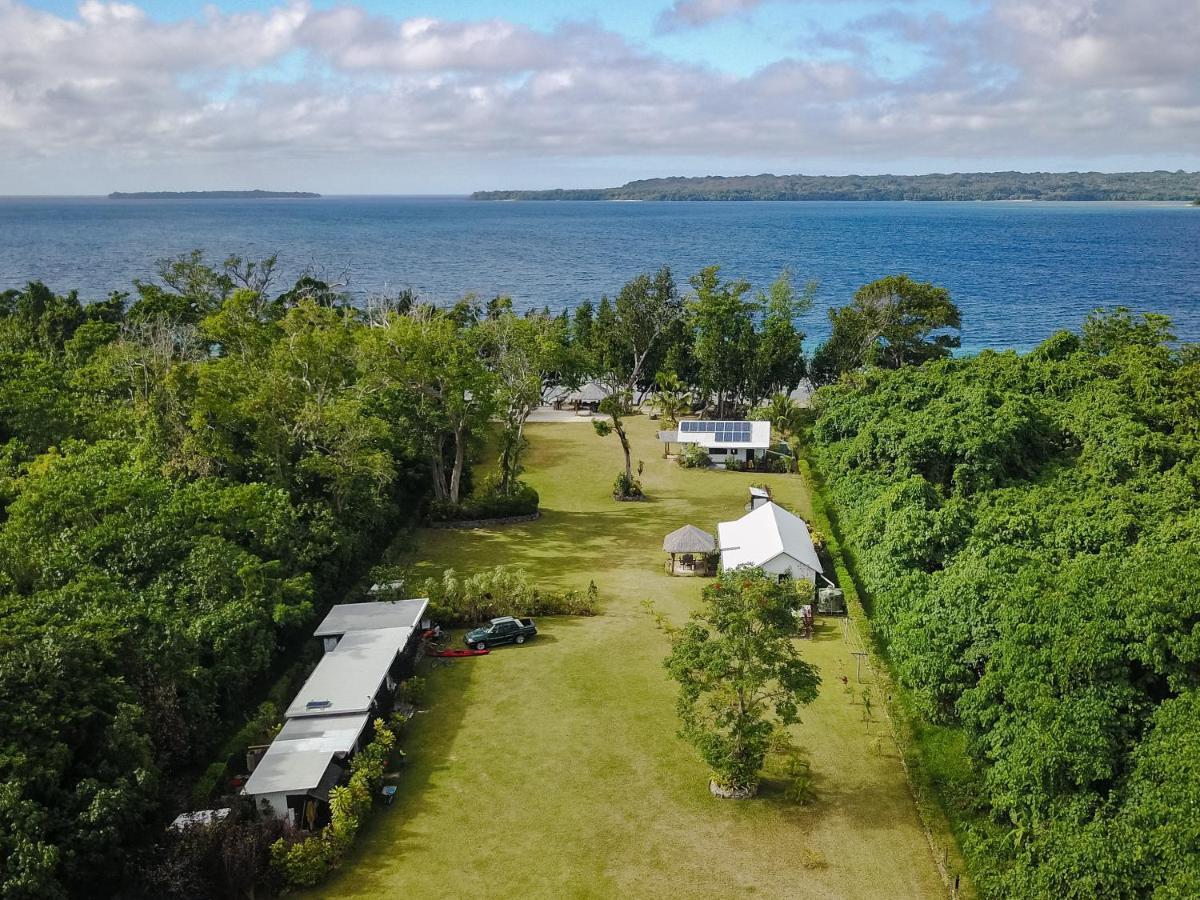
{"x":1019,"y":271}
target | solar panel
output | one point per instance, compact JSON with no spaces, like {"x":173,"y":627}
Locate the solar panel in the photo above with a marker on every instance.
{"x":725,"y":432}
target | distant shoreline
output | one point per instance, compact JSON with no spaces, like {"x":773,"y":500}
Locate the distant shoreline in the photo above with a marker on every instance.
{"x":213,"y":195}
{"x":1159,"y":186}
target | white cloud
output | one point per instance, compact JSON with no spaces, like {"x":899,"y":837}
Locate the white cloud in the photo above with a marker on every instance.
{"x":697,"y":13}
{"x":292,"y":86}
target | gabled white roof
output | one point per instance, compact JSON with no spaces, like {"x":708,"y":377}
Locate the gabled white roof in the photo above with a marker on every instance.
{"x":346,"y":617}
{"x":763,"y":534}
{"x":348,"y":677}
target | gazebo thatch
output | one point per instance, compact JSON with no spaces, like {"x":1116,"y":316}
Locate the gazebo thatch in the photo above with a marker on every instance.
{"x":690,"y":549}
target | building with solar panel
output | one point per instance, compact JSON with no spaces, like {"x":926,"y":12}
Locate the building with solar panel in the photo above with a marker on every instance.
{"x":724,"y":440}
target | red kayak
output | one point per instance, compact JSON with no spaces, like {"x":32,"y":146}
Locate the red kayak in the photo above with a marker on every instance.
{"x":456,"y":653}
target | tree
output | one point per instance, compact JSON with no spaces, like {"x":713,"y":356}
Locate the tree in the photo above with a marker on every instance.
{"x":778,"y":363}
{"x":785,"y":416}
{"x":739,"y":674}
{"x":436,"y":385}
{"x":190,"y":288}
{"x":628,"y":331}
{"x":522,"y":354}
{"x":723,"y":321}
{"x":671,"y":398}
{"x":892,"y":322}
{"x":624,"y":334}
{"x":616,"y":407}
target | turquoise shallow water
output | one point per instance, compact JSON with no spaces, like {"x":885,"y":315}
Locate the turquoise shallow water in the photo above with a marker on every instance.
{"x":1018,"y":270}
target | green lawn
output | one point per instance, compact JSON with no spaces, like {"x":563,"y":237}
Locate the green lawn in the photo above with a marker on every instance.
{"x":554,"y":769}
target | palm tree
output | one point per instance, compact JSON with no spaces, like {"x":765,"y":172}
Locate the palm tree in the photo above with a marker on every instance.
{"x":784,"y":415}
{"x":671,"y":398}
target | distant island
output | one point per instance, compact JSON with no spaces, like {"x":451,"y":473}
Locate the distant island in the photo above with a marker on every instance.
{"x":213,"y":195}
{"x":1160,"y":185}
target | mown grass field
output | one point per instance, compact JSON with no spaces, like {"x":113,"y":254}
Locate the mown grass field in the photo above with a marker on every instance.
{"x":554,"y":769}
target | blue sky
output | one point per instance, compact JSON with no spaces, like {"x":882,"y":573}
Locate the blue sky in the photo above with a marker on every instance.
{"x":372,"y":97}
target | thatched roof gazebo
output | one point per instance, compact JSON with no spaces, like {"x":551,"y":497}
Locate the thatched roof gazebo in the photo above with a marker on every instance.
{"x":691,"y":551}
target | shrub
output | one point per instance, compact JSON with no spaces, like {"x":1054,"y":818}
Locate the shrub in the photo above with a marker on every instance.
{"x":626,"y":488}
{"x":501,"y":591}
{"x":225,"y":859}
{"x":306,"y":862}
{"x":693,"y":456}
{"x":780,"y":464}
{"x":733,"y":464}
{"x":522,"y":500}
{"x":412,"y":691}
{"x":818,"y":538}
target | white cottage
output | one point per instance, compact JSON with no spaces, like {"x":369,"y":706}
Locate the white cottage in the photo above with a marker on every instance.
{"x":724,"y":440}
{"x":772,"y":539}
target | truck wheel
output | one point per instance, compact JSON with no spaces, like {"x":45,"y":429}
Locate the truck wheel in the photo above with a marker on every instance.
{"x":480,"y":645}
{"x":520,"y":638}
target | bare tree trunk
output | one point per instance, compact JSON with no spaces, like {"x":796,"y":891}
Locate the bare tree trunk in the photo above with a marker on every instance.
{"x":506,"y":461}
{"x":620,"y":429}
{"x":439,"y":470}
{"x":460,"y":455}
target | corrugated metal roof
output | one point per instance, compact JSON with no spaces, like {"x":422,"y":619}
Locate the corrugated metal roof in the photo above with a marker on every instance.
{"x":348,"y":677}
{"x":761,"y":535}
{"x":347,"y":617}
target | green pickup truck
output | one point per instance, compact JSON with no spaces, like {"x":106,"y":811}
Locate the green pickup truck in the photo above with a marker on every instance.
{"x":505,"y":630}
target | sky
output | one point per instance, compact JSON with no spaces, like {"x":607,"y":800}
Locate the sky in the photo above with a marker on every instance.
{"x":370,"y":97}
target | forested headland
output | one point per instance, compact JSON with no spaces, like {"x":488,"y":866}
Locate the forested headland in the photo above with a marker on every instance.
{"x":213,"y":195}
{"x":1160,"y":185}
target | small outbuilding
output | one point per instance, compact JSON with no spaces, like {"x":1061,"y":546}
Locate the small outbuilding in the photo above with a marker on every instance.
{"x":745,"y":442}
{"x":371,"y":616}
{"x":691,"y":550}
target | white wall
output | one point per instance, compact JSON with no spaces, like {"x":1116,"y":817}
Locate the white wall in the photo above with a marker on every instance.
{"x":787,"y":565}
{"x":278,"y":804}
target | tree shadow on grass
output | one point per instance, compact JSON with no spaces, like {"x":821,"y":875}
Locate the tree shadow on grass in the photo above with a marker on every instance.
{"x":427,"y":740}
{"x":827,"y":631}
{"x":868,"y":807}
{"x":561,"y":541}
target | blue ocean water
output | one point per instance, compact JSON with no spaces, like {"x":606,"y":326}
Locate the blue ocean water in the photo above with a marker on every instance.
{"x":1019,"y":271}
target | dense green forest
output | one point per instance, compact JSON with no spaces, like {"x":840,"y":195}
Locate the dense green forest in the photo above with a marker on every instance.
{"x":1028,"y":527}
{"x":186,"y":477}
{"x":1160,"y":185}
